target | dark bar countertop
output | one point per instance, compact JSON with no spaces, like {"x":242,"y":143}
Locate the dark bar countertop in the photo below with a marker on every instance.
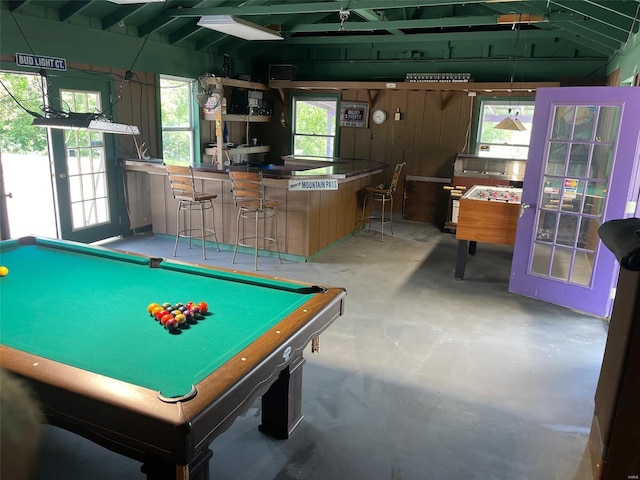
{"x":292,"y":166}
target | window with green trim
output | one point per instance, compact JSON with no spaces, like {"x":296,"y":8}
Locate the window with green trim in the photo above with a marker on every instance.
{"x":315,"y":125}
{"x":495,"y":142}
{"x":177,"y":120}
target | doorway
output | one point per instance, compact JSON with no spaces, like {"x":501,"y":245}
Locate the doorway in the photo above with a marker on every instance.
{"x":26,"y":172}
{"x":60,"y":183}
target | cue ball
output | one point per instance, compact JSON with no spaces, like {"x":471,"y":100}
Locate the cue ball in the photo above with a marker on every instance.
{"x":4,"y":271}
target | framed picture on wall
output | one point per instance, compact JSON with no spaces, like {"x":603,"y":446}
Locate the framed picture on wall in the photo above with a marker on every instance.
{"x":354,"y":114}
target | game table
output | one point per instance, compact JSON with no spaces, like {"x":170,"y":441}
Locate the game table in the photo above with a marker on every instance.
{"x":75,"y":326}
{"x":489,"y":215}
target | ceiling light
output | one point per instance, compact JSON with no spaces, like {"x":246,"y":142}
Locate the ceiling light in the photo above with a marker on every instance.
{"x":129,"y":2}
{"x":86,"y":122}
{"x":238,"y":28}
{"x":105,"y":126}
{"x":75,"y":122}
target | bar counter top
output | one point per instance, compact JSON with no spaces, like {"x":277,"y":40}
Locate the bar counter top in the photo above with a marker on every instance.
{"x":293,"y":166}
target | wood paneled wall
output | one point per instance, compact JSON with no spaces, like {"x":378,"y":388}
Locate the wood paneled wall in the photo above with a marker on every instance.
{"x":429,"y":135}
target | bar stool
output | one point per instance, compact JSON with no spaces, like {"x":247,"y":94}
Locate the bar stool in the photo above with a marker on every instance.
{"x":184,"y":190}
{"x":384,"y":195}
{"x":248,"y":196}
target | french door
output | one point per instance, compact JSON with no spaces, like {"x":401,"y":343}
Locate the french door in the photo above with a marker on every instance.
{"x":86,"y":174}
{"x":582,"y":171}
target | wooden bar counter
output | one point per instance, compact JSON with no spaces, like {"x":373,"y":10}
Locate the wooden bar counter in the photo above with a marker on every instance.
{"x":308,"y":220}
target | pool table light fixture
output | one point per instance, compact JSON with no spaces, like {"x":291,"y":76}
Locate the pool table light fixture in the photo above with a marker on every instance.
{"x":86,"y":122}
{"x":238,"y":27}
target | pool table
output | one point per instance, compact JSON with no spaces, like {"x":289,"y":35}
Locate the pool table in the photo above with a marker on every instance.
{"x":75,"y":326}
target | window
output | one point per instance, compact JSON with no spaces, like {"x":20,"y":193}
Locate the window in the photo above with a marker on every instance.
{"x":493,"y":142}
{"x":177,"y":119}
{"x":315,"y":125}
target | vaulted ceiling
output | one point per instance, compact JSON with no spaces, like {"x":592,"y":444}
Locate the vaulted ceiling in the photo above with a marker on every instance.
{"x":379,"y":39}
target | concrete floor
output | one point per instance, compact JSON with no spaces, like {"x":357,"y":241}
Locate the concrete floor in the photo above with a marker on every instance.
{"x":424,"y":377}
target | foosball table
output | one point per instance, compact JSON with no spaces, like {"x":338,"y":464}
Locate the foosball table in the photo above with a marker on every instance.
{"x":486,"y":214}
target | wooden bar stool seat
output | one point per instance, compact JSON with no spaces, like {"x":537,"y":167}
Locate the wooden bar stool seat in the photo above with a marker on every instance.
{"x":184,"y":190}
{"x":248,"y":196}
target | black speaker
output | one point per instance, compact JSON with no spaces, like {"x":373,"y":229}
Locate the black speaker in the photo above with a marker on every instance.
{"x":282,"y":72}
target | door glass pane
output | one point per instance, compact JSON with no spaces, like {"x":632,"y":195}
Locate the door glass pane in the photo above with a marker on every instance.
{"x":594,"y":199}
{"x":557,"y":158}
{"x":582,"y":267}
{"x":601,"y":161}
{"x":584,"y":123}
{"x":546,"y":226}
{"x":567,"y":228}
{"x":608,"y":124}
{"x":573,"y":198}
{"x":578,"y":159}
{"x":572,"y":195}
{"x":588,"y":238}
{"x":561,"y":263}
{"x":86,"y":168}
{"x":551,"y":193}
{"x":541,"y":259}
{"x":562,"y":122}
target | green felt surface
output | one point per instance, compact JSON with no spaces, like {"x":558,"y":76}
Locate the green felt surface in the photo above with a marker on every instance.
{"x":90,"y":311}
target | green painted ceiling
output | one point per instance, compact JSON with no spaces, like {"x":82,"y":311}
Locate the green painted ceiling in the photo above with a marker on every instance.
{"x":380,"y":39}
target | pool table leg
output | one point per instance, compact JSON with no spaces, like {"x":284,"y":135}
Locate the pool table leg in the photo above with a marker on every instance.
{"x":282,"y":403}
{"x":160,"y":469}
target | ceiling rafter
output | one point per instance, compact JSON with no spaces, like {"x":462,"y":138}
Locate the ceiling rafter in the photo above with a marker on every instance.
{"x":119,"y":15}
{"x":160,"y":21}
{"x":14,"y":5}
{"x":613,"y":20}
{"x":183,"y":33}
{"x":435,"y":34}
{"x":373,"y":16}
{"x":316,"y":7}
{"x":72,"y":8}
{"x":576,"y":38}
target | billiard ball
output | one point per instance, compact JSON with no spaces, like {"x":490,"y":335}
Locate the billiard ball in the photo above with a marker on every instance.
{"x":171,"y":324}
{"x":151,"y":307}
{"x":180,"y":318}
{"x":156,"y":311}
{"x":166,"y":305}
{"x":165,"y":318}
{"x":4,"y":271}
{"x":204,"y":308}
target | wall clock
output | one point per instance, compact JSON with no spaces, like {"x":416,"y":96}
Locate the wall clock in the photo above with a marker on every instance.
{"x":379,"y":116}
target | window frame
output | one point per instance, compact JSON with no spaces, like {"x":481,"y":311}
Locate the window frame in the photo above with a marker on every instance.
{"x":193,"y":124}
{"x":515,"y":103}
{"x":322,"y":97}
